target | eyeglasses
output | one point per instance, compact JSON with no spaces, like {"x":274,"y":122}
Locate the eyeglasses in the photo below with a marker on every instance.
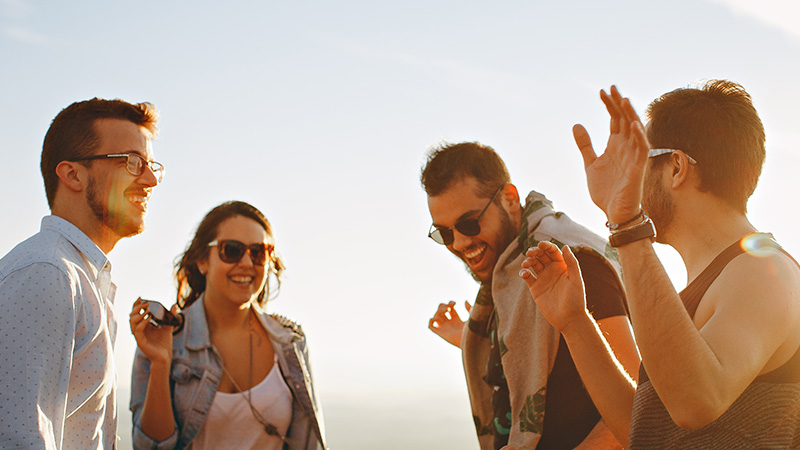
{"x":135,"y":163}
{"x":467,"y":227}
{"x":231,"y":251}
{"x":665,"y":151}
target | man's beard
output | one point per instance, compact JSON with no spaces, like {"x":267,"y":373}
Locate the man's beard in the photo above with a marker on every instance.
{"x":657,"y":204}
{"x":111,"y":217}
{"x":507,"y":234}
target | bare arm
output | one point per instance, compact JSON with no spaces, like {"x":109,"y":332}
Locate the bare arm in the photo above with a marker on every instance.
{"x":697,"y":368}
{"x":749,"y":318}
{"x":600,"y":438}
{"x":558,"y":291}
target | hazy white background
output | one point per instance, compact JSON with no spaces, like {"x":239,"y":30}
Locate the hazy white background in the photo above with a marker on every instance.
{"x":320,"y":114}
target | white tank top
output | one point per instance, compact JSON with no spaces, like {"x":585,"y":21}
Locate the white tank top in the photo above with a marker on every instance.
{"x":230,"y":422}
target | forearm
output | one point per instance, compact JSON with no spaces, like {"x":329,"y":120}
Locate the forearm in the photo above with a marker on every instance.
{"x":607,"y":382}
{"x":600,"y":438}
{"x":679,"y":362}
{"x":157,"y":420}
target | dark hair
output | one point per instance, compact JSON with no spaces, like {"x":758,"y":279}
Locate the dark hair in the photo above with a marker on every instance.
{"x":449,"y":163}
{"x":72,"y":135}
{"x":190,"y":282}
{"x":718,"y":126}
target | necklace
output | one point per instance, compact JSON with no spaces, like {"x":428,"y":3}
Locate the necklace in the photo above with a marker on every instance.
{"x":270,"y":429}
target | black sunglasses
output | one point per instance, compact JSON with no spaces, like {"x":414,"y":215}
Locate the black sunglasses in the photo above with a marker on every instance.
{"x":231,"y":251}
{"x":467,"y":227}
{"x":158,"y":314}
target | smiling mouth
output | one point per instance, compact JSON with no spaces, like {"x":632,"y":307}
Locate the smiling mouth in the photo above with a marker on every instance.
{"x":139,"y":200}
{"x":473,"y":253}
{"x":241,"y":279}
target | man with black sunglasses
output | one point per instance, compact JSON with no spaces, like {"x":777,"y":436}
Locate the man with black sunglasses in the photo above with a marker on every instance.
{"x":57,"y":379}
{"x":514,"y":360}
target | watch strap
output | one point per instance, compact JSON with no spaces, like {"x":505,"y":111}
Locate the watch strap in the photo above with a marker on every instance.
{"x":643,"y":231}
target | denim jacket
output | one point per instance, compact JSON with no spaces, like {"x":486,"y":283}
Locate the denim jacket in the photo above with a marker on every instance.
{"x":196,"y":373}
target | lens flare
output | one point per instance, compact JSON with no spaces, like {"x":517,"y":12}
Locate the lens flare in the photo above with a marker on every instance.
{"x":759,"y":244}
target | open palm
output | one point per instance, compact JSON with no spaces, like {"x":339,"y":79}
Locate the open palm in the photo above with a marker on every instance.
{"x":615,"y":178}
{"x":557,"y":286}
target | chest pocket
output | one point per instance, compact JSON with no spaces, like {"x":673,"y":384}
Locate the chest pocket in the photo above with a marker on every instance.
{"x":185,"y":380}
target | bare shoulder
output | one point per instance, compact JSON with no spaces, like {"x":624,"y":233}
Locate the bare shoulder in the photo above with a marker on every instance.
{"x":767,"y":280}
{"x":758,"y":295}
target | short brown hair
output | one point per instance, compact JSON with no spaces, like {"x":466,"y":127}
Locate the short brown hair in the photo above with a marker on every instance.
{"x":718,"y":126}
{"x":449,"y":163}
{"x":72,"y":135}
{"x":191,"y":283}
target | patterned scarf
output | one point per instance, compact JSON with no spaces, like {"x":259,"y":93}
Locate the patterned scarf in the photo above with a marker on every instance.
{"x":528,"y":343}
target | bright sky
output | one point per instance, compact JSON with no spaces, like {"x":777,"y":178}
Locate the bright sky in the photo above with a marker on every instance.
{"x":320,"y":114}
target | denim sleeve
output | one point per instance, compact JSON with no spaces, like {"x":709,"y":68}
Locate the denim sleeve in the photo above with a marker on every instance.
{"x":139,"y":380}
{"x":37,"y":339}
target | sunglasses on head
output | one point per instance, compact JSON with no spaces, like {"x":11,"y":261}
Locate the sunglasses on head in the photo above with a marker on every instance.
{"x":467,"y":227}
{"x":231,"y":251}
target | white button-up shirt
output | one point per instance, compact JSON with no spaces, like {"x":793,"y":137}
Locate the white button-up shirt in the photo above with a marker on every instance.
{"x":57,"y":332}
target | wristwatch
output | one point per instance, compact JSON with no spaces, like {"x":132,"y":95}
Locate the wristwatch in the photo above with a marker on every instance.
{"x":644,"y":230}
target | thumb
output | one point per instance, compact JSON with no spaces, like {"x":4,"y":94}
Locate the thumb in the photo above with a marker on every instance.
{"x":468,"y":306}
{"x":584,"y":143}
{"x":573,"y":268}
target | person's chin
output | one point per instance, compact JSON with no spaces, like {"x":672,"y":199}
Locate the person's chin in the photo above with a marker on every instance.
{"x":128,"y":226}
{"x":481,"y":273}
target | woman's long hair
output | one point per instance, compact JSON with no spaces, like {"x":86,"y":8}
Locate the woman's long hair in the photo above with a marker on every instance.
{"x":191,"y":283}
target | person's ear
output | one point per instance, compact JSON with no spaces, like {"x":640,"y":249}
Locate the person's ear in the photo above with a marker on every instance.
{"x":202,"y":266}
{"x":680,"y":168}
{"x":73,"y":175}
{"x":509,"y":198}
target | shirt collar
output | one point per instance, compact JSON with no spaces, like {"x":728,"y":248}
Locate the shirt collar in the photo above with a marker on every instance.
{"x":78,"y":238}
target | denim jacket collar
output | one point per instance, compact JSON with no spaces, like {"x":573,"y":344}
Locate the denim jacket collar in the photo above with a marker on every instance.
{"x":198,"y":336}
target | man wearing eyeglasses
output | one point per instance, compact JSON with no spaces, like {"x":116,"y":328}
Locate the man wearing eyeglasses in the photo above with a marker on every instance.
{"x":721,"y":359}
{"x":57,"y":378}
{"x":523,"y":385}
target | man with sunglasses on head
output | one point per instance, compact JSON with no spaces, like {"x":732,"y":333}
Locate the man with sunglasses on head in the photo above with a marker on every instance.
{"x":515,"y":362}
{"x":721,"y":359}
{"x":57,"y":379}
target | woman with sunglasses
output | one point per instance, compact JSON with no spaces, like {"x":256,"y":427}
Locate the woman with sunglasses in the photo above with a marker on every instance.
{"x":232,"y":376}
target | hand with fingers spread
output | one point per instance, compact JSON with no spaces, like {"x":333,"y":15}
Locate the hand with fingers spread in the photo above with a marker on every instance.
{"x":447,"y":324}
{"x":615,"y":178}
{"x":154,"y":341}
{"x":555,"y":283}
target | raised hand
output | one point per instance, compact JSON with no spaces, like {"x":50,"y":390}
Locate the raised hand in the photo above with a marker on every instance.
{"x":555,"y":283}
{"x":447,"y":324}
{"x":154,"y":341}
{"x":615,"y":178}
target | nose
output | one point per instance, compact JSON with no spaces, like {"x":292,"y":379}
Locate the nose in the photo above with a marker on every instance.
{"x":247,"y":259}
{"x":461,"y":242}
{"x":148,"y":177}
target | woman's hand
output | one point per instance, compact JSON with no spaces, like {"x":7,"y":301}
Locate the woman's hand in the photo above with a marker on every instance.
{"x":154,"y":341}
{"x":555,"y":283}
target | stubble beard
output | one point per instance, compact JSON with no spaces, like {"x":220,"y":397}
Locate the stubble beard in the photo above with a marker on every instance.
{"x":657,"y":204}
{"x":111,"y":218}
{"x":507,"y":234}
